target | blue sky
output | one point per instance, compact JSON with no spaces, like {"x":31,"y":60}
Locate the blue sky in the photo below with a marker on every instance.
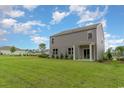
{"x":27,"y":26}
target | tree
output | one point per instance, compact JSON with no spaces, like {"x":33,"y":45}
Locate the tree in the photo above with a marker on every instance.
{"x":42,"y":47}
{"x":119,"y":50}
{"x":109,"y":53}
{"x":12,"y":49}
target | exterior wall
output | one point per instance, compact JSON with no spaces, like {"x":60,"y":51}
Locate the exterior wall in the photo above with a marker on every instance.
{"x":100,"y":42}
{"x":63,"y":42}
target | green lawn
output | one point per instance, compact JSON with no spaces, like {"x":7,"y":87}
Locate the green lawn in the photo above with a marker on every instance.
{"x":35,"y":72}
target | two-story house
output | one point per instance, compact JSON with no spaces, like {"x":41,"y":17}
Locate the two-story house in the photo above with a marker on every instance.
{"x":80,"y":43}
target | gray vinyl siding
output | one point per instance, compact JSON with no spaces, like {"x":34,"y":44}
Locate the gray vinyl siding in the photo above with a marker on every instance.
{"x":63,"y":42}
{"x":100,"y":43}
{"x":79,"y":38}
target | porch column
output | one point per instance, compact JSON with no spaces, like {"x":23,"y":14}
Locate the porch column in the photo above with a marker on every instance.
{"x":73,"y":52}
{"x":78,"y":52}
{"x":94,"y":53}
{"x":90,"y":52}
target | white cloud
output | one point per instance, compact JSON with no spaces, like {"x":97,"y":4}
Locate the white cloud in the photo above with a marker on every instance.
{"x":104,"y":12}
{"x":11,"y":11}
{"x":21,"y":28}
{"x":3,"y":39}
{"x":103,"y":22}
{"x":32,"y":23}
{"x":113,"y":43}
{"x":39,"y":39}
{"x":34,"y":31}
{"x":116,"y":41}
{"x":87,"y":15}
{"x":107,"y":35}
{"x":90,"y":23}
{"x":15,"y":13}
{"x":58,"y":16}
{"x":78,"y":9}
{"x":112,"y":40}
{"x":8,"y":22}
{"x":2,"y":32}
{"x":26,"y":27}
{"x":30,"y":7}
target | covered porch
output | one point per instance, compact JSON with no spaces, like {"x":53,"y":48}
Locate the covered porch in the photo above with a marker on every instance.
{"x":84,"y":51}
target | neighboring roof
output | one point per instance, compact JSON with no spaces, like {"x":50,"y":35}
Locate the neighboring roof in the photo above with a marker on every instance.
{"x":8,"y":48}
{"x":77,"y":29}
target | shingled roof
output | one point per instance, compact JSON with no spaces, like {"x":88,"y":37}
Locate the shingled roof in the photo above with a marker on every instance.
{"x":77,"y":30}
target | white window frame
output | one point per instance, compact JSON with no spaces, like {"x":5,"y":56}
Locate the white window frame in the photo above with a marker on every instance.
{"x":88,"y":35}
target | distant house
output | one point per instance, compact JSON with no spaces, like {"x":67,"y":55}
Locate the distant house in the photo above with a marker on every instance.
{"x":47,"y":51}
{"x":5,"y":50}
{"x":80,"y":43}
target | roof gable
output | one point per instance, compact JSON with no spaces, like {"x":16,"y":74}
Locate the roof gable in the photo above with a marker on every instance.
{"x":77,"y":30}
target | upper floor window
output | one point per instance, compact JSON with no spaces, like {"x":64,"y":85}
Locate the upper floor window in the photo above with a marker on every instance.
{"x":52,"y":40}
{"x":89,"y":36}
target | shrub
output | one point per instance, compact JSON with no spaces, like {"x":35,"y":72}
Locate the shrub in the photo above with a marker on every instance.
{"x":1,"y":53}
{"x":31,"y":54}
{"x":53,"y":56}
{"x":71,"y":57}
{"x":100,"y":61}
{"x":105,"y":56}
{"x":25,"y":54}
{"x":66,"y":56}
{"x":109,"y":54}
{"x":120,"y":59}
{"x":57,"y":57}
{"x":43,"y":55}
{"x":61,"y":56}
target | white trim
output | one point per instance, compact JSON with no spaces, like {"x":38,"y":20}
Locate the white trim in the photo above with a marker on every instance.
{"x":74,"y":52}
{"x":90,"y":45}
{"x":94,"y":52}
{"x":78,"y":52}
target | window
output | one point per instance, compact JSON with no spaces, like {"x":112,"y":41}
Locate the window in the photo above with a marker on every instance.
{"x":89,"y":36}
{"x":55,"y":51}
{"x":70,"y":51}
{"x":52,"y":40}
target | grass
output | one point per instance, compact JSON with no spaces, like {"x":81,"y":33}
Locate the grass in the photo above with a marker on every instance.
{"x":34,"y":72}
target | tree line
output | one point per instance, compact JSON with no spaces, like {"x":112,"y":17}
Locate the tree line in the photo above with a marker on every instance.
{"x":117,"y":53}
